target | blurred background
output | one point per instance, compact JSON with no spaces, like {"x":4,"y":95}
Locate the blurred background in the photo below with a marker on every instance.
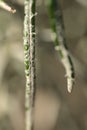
{"x":55,"y":108}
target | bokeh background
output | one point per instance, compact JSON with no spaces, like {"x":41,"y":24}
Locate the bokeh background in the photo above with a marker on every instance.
{"x":55,"y":108}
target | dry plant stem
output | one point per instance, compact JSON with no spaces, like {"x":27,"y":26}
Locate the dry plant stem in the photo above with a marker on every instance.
{"x":6,"y":7}
{"x":29,"y":60}
{"x":60,"y":41}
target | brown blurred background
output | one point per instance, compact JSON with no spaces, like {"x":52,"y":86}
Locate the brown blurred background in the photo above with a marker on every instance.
{"x":55,"y":108}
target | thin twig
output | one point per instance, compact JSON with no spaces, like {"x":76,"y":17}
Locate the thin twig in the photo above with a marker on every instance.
{"x":57,"y":26}
{"x":6,"y":7}
{"x":29,"y":60}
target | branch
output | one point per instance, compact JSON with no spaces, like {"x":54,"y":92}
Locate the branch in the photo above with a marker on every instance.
{"x":58,"y":33}
{"x":6,"y":7}
{"x":29,"y":60}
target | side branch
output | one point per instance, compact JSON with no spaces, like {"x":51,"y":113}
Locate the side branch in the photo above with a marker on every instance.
{"x":58,"y":32}
{"x":6,"y":6}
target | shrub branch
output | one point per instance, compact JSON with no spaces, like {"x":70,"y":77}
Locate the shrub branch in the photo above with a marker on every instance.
{"x":58,"y":33}
{"x":29,"y":60}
